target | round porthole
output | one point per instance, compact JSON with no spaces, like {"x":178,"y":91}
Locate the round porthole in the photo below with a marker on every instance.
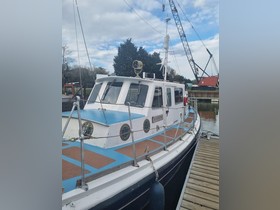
{"x":125,"y":132}
{"x":146,"y":126}
{"x":87,"y":128}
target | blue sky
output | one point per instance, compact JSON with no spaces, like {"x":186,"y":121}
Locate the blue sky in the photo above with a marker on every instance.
{"x":108,"y":23}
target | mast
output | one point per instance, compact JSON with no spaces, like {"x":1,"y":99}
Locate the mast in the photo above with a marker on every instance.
{"x":166,"y":47}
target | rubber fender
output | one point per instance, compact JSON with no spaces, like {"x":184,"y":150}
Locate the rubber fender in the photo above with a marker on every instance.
{"x":157,"y":197}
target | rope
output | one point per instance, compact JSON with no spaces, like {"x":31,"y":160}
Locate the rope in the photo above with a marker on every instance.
{"x":134,"y":131}
{"x":113,"y":136}
{"x":154,"y":168}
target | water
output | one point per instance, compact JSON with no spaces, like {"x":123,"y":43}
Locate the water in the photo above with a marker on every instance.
{"x":209,"y":113}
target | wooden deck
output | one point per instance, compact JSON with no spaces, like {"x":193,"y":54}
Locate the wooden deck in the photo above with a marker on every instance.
{"x":201,"y":188}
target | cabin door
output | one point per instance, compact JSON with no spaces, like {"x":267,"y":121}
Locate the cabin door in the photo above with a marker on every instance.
{"x":168,"y":104}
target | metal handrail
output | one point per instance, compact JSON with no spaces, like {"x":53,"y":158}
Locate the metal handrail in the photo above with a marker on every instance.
{"x":76,"y":104}
{"x":193,"y":102}
{"x":134,"y":131}
{"x":142,"y":157}
{"x":132,"y":137}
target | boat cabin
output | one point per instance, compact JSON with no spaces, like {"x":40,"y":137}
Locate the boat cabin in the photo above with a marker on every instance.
{"x":119,"y":105}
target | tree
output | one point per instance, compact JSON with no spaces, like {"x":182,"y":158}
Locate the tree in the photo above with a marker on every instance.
{"x":173,"y":77}
{"x":99,"y":70}
{"x":66,"y":61}
{"x":128,"y":52}
{"x":88,"y":77}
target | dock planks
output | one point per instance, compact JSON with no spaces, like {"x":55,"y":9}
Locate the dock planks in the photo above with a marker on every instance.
{"x":201,"y":188}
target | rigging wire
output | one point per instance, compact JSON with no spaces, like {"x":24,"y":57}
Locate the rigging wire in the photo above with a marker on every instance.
{"x":215,"y":66}
{"x":213,"y":60}
{"x":75,"y":2}
{"x":175,"y":61}
{"x":78,"y":12}
{"x":142,"y":18}
{"x":77,"y":43}
{"x":191,"y":24}
{"x":164,"y":10}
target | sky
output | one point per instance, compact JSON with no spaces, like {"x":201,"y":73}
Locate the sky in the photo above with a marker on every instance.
{"x":108,"y":23}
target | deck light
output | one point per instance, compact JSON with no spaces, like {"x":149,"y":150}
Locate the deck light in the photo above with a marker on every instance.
{"x":137,"y":66}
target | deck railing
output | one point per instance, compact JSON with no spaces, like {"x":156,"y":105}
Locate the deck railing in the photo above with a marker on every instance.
{"x":76,"y":104}
{"x":193,"y":102}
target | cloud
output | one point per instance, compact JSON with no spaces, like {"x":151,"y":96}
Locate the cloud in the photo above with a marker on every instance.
{"x":179,"y":61}
{"x":106,"y":24}
{"x":199,"y":3}
{"x":147,"y":5}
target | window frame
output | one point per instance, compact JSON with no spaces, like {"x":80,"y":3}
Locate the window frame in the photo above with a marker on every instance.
{"x":109,"y":85}
{"x":176,"y":95}
{"x":143,"y":88}
{"x":167,"y":97}
{"x":90,"y":100}
{"x":161,"y":104}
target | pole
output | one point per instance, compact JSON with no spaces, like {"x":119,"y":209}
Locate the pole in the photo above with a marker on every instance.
{"x":132,"y":137}
{"x":83,"y":184}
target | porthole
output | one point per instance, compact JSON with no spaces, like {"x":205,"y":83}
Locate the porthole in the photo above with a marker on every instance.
{"x":87,"y":129}
{"x":125,"y":132}
{"x":146,"y":126}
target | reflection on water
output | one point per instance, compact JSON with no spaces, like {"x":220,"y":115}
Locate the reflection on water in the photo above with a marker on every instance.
{"x":209,"y":113}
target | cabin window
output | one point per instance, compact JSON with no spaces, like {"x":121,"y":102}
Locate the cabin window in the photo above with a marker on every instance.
{"x":168,"y":97}
{"x":136,"y":95}
{"x":111,"y":92}
{"x":157,"y":101}
{"x":94,"y":93}
{"x":178,"y":95}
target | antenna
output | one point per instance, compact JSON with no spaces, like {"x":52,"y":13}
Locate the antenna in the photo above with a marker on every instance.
{"x":166,"y":47}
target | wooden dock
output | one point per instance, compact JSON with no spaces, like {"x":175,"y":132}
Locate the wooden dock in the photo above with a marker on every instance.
{"x":201,"y":187}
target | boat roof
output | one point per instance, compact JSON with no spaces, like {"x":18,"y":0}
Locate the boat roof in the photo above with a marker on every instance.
{"x":211,"y":81}
{"x":137,"y":79}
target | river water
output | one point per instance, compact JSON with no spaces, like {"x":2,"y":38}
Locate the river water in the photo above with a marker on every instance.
{"x":209,"y":113}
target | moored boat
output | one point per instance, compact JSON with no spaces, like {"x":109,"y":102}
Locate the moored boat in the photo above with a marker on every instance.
{"x":133,"y":135}
{"x":131,"y":145}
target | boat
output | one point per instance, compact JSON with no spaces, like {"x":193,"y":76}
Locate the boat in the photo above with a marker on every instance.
{"x":131,"y":134}
{"x":131,"y":145}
